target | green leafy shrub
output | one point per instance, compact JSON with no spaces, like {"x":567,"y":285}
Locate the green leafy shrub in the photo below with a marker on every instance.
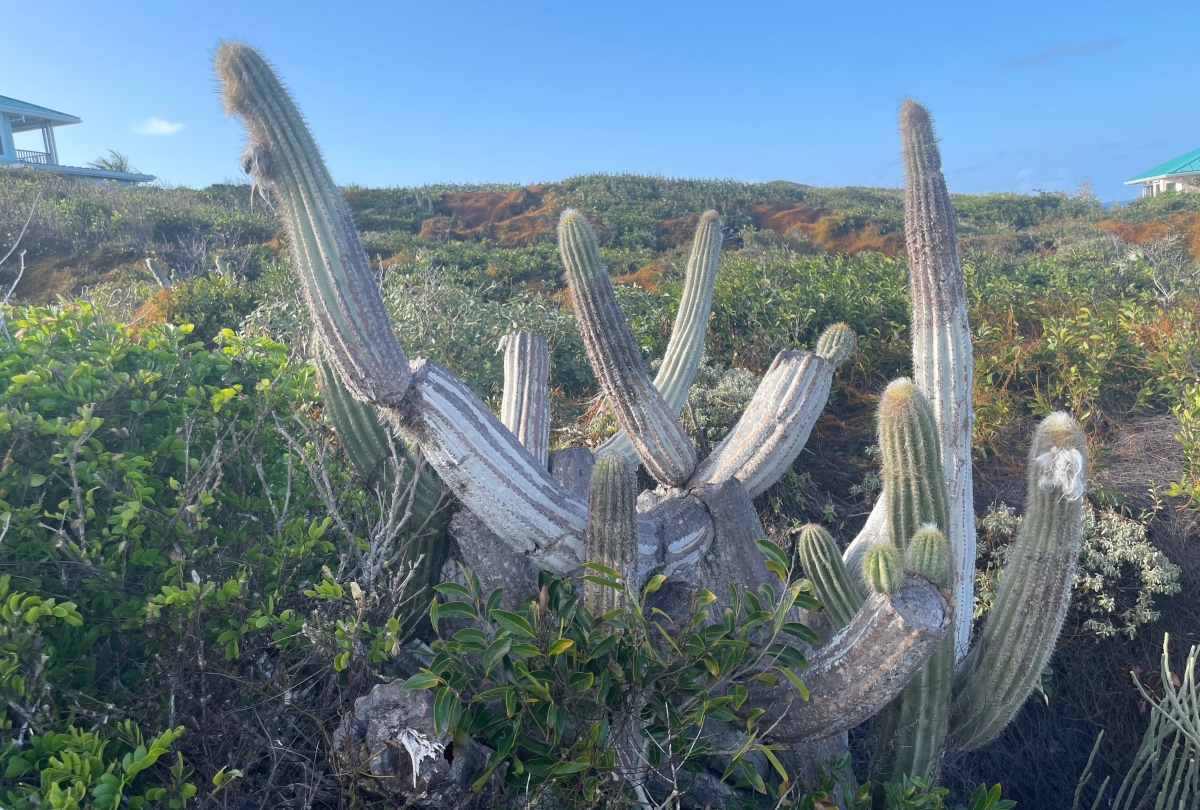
{"x":211,"y":304}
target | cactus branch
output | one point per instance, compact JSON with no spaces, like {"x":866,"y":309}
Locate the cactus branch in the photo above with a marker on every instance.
{"x":682,"y":357}
{"x":525,"y":404}
{"x":823,"y":566}
{"x":1035,"y":589}
{"x":942,"y":360}
{"x":661,"y":442}
{"x":611,"y":530}
{"x":336,"y":277}
{"x":863,"y":667}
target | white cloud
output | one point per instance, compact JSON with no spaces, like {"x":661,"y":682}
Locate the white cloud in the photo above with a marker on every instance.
{"x":156,"y":126}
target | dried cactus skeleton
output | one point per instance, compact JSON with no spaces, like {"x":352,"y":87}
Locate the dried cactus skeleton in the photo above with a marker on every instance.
{"x":699,"y":525}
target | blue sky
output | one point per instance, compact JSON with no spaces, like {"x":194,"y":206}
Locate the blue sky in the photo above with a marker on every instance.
{"x":1025,"y":94}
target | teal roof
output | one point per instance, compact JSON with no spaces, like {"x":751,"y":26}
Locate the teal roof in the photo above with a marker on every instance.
{"x":18,"y":107}
{"x":1180,"y":165}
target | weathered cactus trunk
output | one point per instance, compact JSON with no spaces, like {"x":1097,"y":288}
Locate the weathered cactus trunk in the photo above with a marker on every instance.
{"x":525,"y":403}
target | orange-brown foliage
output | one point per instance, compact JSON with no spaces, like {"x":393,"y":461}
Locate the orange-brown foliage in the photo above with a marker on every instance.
{"x":1139,"y":233}
{"x":510,"y":218}
{"x":647,"y":277}
{"x":155,"y":309}
{"x":826,"y":228}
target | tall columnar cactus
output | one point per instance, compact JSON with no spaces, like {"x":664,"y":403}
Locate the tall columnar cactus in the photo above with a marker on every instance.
{"x":525,"y":403}
{"x":682,"y":357}
{"x":612,"y":529}
{"x":702,"y":525}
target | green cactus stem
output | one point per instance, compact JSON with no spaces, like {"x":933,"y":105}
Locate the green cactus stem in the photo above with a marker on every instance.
{"x":611,"y":530}
{"x":369,"y":446}
{"x":836,"y":343}
{"x":881,"y":569}
{"x":682,"y":357}
{"x":942,"y":355}
{"x":661,"y":442}
{"x":913,"y":485}
{"x":822,"y":563}
{"x":1035,"y":589}
{"x":928,"y":556}
{"x":336,"y":277}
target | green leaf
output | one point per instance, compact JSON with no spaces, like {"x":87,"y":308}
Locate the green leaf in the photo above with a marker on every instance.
{"x":561,"y":645}
{"x":582,"y":681}
{"x":796,"y":682}
{"x":787,"y":655}
{"x":422,"y":680}
{"x":495,"y":651}
{"x":441,"y":710}
{"x":36,"y":480}
{"x":453,"y":589}
{"x":513,"y":623}
{"x":653,"y":585}
{"x":773,"y":552}
{"x":802,"y":632}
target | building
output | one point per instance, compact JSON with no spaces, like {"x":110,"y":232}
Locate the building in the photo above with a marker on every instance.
{"x":21,"y":116}
{"x":1180,"y":174}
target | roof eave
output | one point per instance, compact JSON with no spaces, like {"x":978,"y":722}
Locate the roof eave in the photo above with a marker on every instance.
{"x":1135,"y":180}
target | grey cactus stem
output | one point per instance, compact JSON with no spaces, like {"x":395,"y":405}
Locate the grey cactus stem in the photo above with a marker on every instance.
{"x":525,"y":404}
{"x":1035,"y":589}
{"x":822,"y":564}
{"x":942,"y":355}
{"x":661,"y":442}
{"x":611,"y":530}
{"x":682,"y":357}
{"x":336,"y":277}
{"x":863,"y":667}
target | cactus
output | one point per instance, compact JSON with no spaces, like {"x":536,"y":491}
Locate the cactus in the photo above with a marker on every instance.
{"x":369,"y":448}
{"x":648,"y":421}
{"x":1035,"y":589}
{"x":525,"y":403}
{"x":881,"y":569}
{"x":822,"y":564}
{"x":612,"y":529}
{"x":683,"y":353}
{"x":928,"y":556}
{"x":702,"y":522}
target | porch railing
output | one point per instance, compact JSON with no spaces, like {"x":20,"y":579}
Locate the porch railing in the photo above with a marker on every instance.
{"x":28,"y":156}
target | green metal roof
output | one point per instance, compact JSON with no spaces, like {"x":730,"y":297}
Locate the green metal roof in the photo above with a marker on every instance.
{"x":1180,"y":165}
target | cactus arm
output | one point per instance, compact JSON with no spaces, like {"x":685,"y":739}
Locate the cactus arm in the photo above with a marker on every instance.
{"x":863,"y":667}
{"x":336,"y":277}
{"x":1035,"y":590}
{"x":823,"y":566}
{"x":661,"y":442}
{"x":611,"y":529}
{"x":525,"y":404}
{"x":941,"y":333}
{"x":490,"y":472}
{"x":875,"y":530}
{"x":914,"y":492}
{"x":682,"y":357}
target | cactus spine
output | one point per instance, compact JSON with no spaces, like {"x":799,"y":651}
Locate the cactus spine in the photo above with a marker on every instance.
{"x":881,"y":569}
{"x":1035,"y":589}
{"x":683,"y":353}
{"x":836,"y":343}
{"x":928,"y":556}
{"x":649,"y":422}
{"x":612,"y":529}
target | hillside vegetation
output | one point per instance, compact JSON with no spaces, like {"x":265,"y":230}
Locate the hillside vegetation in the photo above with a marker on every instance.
{"x":184,"y":412}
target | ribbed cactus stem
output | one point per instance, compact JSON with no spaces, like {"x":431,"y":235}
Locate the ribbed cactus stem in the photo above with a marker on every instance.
{"x":913,"y":485}
{"x":941,"y":337}
{"x":611,"y":529}
{"x":1035,"y":589}
{"x":928,"y":556}
{"x":881,"y":569}
{"x":682,"y":357}
{"x":525,"y":403}
{"x":913,"y":733}
{"x":836,"y":344}
{"x":775,"y":425}
{"x":661,"y":442}
{"x":822,"y":563}
{"x":336,"y":277}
